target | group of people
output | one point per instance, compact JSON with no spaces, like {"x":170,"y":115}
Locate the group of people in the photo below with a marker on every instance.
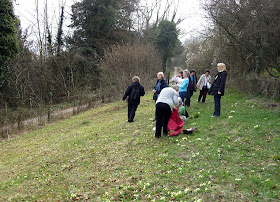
{"x":171,"y":102}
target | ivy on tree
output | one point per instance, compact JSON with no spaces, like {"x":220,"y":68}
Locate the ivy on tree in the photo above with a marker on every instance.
{"x":166,"y":40}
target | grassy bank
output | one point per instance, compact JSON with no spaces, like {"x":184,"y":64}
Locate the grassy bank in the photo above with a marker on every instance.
{"x":97,"y":155}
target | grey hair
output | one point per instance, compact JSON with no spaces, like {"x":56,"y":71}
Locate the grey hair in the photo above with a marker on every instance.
{"x":136,"y":78}
{"x":180,"y":100}
{"x":175,"y":87}
{"x":187,"y":72}
{"x":161,"y":73}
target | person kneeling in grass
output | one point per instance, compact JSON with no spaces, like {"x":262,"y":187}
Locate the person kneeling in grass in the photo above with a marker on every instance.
{"x":133,"y":92}
{"x":182,"y":111}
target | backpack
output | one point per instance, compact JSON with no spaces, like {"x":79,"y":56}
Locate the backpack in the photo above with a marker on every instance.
{"x":135,"y":94}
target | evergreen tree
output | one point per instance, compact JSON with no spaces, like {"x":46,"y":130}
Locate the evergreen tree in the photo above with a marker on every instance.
{"x":100,"y":23}
{"x":8,"y":39}
{"x":166,"y":40}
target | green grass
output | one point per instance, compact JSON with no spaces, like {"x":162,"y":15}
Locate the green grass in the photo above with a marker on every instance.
{"x":98,"y":156}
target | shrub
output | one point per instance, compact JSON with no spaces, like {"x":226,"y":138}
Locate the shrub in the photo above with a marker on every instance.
{"x":122,"y":62}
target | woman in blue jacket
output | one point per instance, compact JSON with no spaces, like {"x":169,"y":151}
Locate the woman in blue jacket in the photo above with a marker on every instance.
{"x":160,"y":84}
{"x":184,"y":86}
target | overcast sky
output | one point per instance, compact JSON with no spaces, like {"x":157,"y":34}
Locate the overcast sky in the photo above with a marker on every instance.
{"x":26,"y":10}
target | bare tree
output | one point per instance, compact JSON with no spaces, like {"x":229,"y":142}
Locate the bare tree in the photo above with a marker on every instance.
{"x":250,"y":26}
{"x":151,"y":13}
{"x":39,"y":36}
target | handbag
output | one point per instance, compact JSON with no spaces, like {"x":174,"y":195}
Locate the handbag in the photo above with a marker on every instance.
{"x":208,"y":85}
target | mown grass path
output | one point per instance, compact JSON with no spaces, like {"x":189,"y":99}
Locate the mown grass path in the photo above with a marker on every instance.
{"x":98,"y":156}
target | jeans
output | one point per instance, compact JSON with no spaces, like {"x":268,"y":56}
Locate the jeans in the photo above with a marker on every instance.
{"x":217,"y":100}
{"x":203,"y":93}
{"x":189,"y":95}
{"x":163,"y":113}
{"x":131,"y":112}
{"x":183,"y":95}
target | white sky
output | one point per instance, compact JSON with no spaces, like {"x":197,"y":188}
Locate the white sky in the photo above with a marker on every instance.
{"x":26,"y":10}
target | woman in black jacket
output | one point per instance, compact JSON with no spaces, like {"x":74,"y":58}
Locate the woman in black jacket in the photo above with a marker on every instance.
{"x":218,"y":88}
{"x":191,"y":87}
{"x":160,"y":84}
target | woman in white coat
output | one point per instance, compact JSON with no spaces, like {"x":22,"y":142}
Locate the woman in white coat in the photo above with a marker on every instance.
{"x":204,"y":85}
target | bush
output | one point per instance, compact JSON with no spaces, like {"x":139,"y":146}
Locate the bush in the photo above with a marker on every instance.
{"x":264,"y":86}
{"x":122,"y":62}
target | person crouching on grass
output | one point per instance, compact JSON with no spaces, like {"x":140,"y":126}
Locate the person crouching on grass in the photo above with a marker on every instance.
{"x":182,"y":111}
{"x":164,"y":107}
{"x":133,"y":92}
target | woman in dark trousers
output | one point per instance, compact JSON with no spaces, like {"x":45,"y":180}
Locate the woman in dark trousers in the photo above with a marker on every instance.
{"x":160,"y":84}
{"x":218,"y":88}
{"x":164,"y":107}
{"x":203,"y":84}
{"x":191,"y":87}
{"x":133,"y":92}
